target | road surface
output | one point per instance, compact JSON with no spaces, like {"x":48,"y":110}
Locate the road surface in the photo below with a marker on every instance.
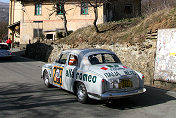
{"x":23,"y":95}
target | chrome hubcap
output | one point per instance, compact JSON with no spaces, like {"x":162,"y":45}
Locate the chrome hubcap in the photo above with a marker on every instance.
{"x":81,"y":92}
{"x":46,"y":79}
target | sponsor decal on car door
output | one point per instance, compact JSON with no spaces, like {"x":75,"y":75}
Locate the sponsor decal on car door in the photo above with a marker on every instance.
{"x":57,"y":75}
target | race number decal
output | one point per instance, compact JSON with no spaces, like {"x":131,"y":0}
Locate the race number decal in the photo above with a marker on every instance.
{"x":57,"y":74}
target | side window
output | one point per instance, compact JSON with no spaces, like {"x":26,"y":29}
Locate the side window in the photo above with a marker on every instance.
{"x":37,"y":33}
{"x":94,"y":59}
{"x":73,"y":60}
{"x":84,"y":8}
{"x":128,"y":9}
{"x":63,"y":59}
{"x":38,"y":9}
{"x":59,"y":9}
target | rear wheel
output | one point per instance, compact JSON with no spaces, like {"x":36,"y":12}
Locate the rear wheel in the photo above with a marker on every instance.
{"x":46,"y":79}
{"x":81,"y":93}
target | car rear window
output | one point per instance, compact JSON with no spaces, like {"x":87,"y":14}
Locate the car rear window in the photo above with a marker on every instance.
{"x":4,"y":47}
{"x":103,"y":58}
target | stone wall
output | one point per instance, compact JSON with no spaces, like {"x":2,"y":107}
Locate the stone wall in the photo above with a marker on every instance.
{"x":139,"y":57}
{"x":38,"y":51}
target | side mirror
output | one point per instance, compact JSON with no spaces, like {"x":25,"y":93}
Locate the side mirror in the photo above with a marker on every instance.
{"x":62,"y":61}
{"x":56,"y":61}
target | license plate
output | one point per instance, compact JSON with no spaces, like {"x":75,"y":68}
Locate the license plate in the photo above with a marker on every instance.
{"x":125,"y":84}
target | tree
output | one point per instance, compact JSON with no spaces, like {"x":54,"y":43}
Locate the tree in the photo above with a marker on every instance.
{"x":59,"y":7}
{"x":3,"y":30}
{"x":62,"y":2}
{"x":93,"y":3}
{"x":96,"y":4}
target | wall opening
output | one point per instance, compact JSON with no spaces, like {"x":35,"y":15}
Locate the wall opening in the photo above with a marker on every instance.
{"x":128,"y":9}
{"x":49,"y":36}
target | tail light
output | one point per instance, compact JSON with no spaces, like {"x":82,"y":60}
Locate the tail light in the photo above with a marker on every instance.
{"x":103,"y":85}
{"x":10,"y":53}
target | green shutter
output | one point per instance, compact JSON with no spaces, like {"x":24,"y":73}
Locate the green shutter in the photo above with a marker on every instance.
{"x":84,"y":8}
{"x":60,"y":10}
{"x":35,"y":9}
{"x":38,"y":9}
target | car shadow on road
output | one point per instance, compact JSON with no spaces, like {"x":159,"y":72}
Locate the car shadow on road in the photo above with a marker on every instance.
{"x":24,"y":96}
{"x":21,"y":96}
{"x":153,"y":96}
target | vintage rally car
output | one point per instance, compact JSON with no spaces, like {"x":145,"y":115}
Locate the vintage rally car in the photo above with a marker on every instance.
{"x":93,"y":73}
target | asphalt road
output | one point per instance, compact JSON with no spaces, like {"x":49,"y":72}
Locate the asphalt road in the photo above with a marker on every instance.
{"x":23,"y":95}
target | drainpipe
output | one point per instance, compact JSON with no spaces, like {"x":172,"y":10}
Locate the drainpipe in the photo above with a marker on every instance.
{"x":21,"y":21}
{"x":13,"y":10}
{"x":10,"y":12}
{"x":38,"y":33}
{"x":10,"y":18}
{"x":13,"y":32}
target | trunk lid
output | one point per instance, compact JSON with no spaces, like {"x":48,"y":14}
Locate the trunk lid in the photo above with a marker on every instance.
{"x":110,"y":71}
{"x":118,"y":77}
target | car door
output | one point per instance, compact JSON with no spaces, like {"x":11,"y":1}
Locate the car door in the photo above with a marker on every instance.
{"x":70,"y":71}
{"x":58,"y":69}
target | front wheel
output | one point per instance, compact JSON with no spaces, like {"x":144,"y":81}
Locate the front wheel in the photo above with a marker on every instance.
{"x":46,"y":79}
{"x":81,"y":93}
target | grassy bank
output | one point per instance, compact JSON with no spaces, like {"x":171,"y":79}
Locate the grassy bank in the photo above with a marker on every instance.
{"x":123,"y":31}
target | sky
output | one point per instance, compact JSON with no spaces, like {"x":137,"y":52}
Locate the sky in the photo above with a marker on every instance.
{"x":6,"y":1}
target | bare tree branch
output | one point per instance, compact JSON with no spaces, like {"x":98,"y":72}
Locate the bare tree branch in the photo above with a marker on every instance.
{"x":56,"y":9}
{"x":3,"y":29}
{"x":96,"y":4}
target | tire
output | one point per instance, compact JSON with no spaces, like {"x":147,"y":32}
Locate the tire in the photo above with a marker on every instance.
{"x":81,"y":93}
{"x":9,"y":58}
{"x":46,"y":79}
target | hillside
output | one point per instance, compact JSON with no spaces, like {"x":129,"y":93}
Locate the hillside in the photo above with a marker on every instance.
{"x":127,"y":38}
{"x":4,"y":11}
{"x":150,"y":6}
{"x":124,"y":31}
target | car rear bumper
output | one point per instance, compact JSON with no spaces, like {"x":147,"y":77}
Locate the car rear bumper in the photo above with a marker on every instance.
{"x":110,"y":95}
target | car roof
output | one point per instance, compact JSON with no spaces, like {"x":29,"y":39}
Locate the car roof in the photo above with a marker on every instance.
{"x":81,"y":53}
{"x":86,"y":51}
{"x":3,"y":43}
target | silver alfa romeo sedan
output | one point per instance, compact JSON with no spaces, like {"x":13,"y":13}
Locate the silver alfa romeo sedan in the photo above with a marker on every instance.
{"x":93,"y":73}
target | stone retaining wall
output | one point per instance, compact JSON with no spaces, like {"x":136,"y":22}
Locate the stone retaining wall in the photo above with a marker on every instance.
{"x":38,"y":51}
{"x":140,"y":57}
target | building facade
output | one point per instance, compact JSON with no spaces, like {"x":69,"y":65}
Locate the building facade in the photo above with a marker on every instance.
{"x":39,"y":18}
{"x":14,"y":20}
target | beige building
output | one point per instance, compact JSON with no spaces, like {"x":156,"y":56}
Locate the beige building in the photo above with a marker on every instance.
{"x":39,"y":18}
{"x":14,"y":20}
